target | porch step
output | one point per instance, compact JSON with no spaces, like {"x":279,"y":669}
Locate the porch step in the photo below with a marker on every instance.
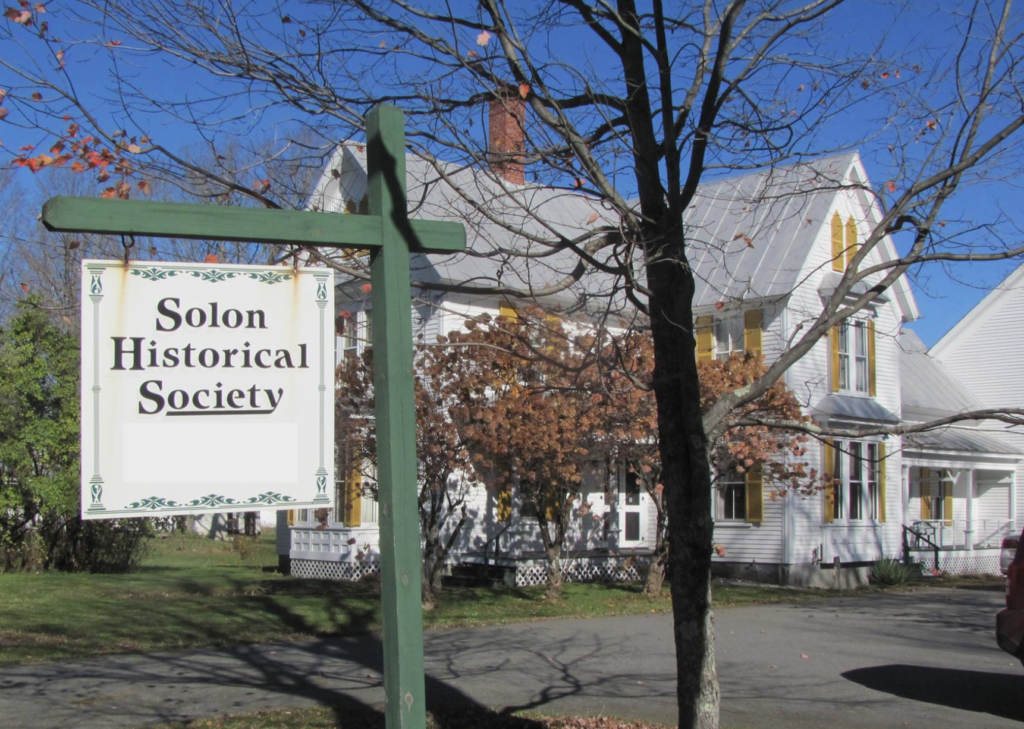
{"x":469,"y":574}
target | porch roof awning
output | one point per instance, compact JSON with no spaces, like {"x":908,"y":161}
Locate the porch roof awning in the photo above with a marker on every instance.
{"x":861,"y":409}
{"x":958,"y":439}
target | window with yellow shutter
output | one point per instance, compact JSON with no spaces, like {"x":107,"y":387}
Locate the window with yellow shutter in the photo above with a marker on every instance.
{"x":731,"y":496}
{"x":852,"y":348}
{"x":729,"y":336}
{"x":857,"y":489}
{"x":740,"y":496}
{"x":356,"y":332}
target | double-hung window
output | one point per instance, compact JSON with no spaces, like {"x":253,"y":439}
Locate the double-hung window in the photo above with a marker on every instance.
{"x":718,"y":338}
{"x":729,"y":336}
{"x":739,"y":497}
{"x":731,"y":496}
{"x":357,"y":330}
{"x":853,"y":357}
{"x":855,"y":481}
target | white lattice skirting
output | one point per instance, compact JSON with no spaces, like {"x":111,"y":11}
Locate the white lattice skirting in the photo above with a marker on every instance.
{"x":962,"y":564}
{"x":528,"y":574}
{"x":313,"y":569}
{"x":614,"y":569}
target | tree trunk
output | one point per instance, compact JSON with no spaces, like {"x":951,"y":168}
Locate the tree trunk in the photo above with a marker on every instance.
{"x":686,"y":475}
{"x":656,"y":570}
{"x":433,"y":566}
{"x":556,"y":579}
{"x":435,"y":556}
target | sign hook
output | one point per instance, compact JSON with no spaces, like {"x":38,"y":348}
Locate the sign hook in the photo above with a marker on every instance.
{"x":127,"y":246}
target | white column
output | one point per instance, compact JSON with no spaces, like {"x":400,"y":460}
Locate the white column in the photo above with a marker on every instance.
{"x":969,"y":532}
{"x":1013,"y":502}
{"x":905,"y":494}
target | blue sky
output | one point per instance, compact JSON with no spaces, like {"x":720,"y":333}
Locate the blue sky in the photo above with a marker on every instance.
{"x":920,"y":36}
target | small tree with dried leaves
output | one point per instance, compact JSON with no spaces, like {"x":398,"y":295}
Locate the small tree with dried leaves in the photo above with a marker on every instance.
{"x":445,"y":473}
{"x":529,"y":419}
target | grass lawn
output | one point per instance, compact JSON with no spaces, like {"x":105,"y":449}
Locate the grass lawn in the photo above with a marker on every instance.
{"x":192,"y":592}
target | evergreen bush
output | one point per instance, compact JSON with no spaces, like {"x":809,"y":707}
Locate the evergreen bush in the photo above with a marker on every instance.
{"x":893,"y":573}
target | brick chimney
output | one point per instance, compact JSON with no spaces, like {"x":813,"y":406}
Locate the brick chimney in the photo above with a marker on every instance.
{"x":507,"y":139}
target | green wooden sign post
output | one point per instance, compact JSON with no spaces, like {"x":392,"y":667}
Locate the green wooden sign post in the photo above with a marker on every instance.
{"x":391,"y":236}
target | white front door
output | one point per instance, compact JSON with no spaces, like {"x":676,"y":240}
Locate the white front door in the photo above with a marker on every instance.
{"x":632,"y":510}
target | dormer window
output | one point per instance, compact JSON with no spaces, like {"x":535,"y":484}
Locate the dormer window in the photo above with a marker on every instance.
{"x":729,"y":336}
{"x":354,"y":332}
{"x":719,"y":338}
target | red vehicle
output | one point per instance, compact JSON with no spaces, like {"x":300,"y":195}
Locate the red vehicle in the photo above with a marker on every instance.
{"x":1010,"y":622}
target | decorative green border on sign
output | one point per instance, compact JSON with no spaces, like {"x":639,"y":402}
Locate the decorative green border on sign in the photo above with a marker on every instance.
{"x":156,"y":503}
{"x":213,"y":275}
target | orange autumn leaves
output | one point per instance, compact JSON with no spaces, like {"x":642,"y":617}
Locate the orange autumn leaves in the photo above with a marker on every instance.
{"x":537,"y":397}
{"x":86,"y":153}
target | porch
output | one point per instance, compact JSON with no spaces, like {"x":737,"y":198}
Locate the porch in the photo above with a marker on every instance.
{"x":960,"y":533}
{"x":958,"y":504}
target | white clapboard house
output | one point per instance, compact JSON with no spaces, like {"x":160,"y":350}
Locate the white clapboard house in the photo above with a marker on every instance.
{"x":985,"y":352}
{"x":768,"y":249}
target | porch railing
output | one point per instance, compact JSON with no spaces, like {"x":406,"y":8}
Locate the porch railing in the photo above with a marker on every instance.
{"x":917,"y":538}
{"x":953,"y":533}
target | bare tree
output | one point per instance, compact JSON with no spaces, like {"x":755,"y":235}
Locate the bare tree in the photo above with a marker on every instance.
{"x":632,"y":105}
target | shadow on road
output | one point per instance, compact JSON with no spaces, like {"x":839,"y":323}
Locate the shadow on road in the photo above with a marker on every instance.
{"x":998,"y":694}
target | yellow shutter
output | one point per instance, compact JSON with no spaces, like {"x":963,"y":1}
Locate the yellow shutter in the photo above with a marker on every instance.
{"x":505,"y":504}
{"x":837,"y":243}
{"x":752,"y":332}
{"x":926,"y":494}
{"x":705,"y":339}
{"x":881,"y":482}
{"x":291,"y":517}
{"x":507,"y":311}
{"x":550,"y":504}
{"x":947,"y":501}
{"x":851,"y":241}
{"x":830,"y":489}
{"x":353,"y":493}
{"x":833,"y":351}
{"x":755,"y":495}
{"x":871,"y":357}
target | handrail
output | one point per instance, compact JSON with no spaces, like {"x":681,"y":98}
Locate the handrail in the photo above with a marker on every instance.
{"x":497,"y":547}
{"x":921,"y":537}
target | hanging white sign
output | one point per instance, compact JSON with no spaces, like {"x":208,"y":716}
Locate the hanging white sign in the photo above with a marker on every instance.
{"x":205,"y":388}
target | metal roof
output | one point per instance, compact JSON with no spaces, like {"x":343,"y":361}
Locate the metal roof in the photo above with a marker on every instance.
{"x":957,"y":439}
{"x":749,"y":236}
{"x":495,"y":256}
{"x":926,"y":386}
{"x":846,"y":407}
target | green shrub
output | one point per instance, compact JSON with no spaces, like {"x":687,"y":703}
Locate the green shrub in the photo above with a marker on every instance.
{"x":75,"y":545}
{"x":893,"y":573}
{"x":245,"y":546}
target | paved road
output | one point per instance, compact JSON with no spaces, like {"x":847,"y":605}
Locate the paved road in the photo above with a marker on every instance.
{"x":924,"y":659}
